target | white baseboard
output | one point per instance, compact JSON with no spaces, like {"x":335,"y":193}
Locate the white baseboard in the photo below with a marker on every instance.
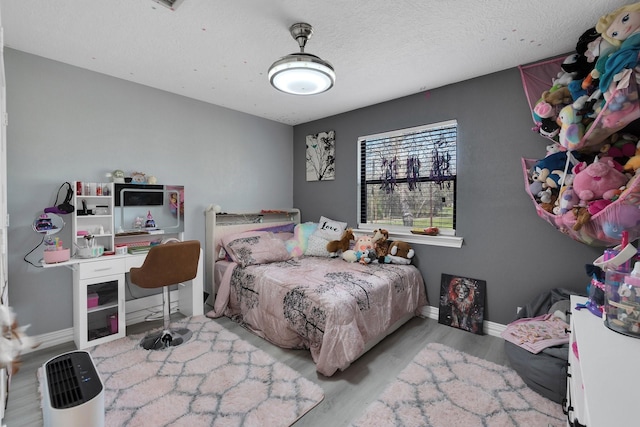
{"x":489,"y":328}
{"x":51,"y":339}
{"x":137,"y":310}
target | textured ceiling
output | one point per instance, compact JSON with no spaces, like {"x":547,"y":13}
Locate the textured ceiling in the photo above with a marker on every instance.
{"x":219,"y":51}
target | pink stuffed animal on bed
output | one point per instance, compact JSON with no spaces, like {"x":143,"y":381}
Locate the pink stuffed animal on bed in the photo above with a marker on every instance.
{"x":361,"y":249}
{"x":599,"y":180}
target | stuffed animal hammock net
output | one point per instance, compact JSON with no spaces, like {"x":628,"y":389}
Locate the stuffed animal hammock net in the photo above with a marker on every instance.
{"x":603,"y":228}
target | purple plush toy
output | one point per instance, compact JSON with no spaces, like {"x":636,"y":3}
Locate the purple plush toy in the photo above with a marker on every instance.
{"x":620,"y":218}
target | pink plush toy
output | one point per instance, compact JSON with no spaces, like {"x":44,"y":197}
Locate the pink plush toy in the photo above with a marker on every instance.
{"x":361,"y":249}
{"x":599,"y":180}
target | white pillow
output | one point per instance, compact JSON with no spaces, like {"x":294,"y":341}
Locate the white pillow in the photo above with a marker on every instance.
{"x":317,"y":246}
{"x":329,"y":229}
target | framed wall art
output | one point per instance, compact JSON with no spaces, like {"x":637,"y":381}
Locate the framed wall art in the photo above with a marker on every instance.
{"x":462,"y":303}
{"x":321,"y":156}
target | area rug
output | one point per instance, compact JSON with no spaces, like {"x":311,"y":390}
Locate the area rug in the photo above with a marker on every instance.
{"x":214,"y":379}
{"x":443,"y":387}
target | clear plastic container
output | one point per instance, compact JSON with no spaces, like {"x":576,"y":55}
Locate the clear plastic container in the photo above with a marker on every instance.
{"x":622,"y":302}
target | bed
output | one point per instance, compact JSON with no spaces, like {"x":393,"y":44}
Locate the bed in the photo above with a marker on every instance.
{"x":336,"y":309}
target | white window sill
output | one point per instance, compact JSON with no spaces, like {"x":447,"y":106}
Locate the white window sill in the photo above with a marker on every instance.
{"x":418,"y":239}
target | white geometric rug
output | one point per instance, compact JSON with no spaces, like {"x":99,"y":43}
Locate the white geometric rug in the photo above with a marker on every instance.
{"x":214,"y":379}
{"x":443,"y":387}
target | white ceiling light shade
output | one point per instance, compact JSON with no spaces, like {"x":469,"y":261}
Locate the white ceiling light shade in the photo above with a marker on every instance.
{"x":170,"y":4}
{"x":302,"y":73}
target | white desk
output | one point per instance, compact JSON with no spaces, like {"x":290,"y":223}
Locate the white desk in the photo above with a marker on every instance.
{"x":191,"y":294}
{"x":106,"y":275}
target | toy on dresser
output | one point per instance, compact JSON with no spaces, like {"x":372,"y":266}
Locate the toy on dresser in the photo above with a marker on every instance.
{"x":622,"y":302}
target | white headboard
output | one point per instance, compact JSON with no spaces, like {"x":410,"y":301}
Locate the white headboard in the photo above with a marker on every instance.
{"x":221,"y":224}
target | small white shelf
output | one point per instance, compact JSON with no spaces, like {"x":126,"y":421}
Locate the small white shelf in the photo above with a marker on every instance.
{"x":102,"y":307}
{"x":92,"y":223}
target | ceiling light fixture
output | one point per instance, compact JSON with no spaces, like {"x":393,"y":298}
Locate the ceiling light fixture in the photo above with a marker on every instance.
{"x":170,"y":4}
{"x":302,"y":73}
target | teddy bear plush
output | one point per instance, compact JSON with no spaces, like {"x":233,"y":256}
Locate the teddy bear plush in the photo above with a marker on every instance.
{"x":558,"y":95}
{"x":399,"y":253}
{"x":582,"y":216}
{"x":381,"y":242}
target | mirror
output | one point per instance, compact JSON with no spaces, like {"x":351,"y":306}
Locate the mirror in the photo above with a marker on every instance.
{"x":48,"y":223}
{"x":134,"y":203}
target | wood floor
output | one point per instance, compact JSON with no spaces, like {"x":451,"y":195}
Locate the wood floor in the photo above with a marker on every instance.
{"x":347,"y":393}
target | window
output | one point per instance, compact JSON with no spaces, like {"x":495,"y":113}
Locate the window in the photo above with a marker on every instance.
{"x":407,"y":179}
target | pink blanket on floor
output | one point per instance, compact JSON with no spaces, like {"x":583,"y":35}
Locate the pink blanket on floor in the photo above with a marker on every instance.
{"x":537,"y":333}
{"x":332,"y":307}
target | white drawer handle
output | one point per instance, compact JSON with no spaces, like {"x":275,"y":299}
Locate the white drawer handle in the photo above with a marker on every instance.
{"x":102,"y":269}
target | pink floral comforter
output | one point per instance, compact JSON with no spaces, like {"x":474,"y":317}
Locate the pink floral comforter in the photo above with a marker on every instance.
{"x":332,"y":307}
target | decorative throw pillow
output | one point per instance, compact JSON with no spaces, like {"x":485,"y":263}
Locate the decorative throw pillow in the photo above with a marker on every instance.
{"x":330,"y":229}
{"x":255,"y":247}
{"x":317,"y":246}
{"x":298,"y":244}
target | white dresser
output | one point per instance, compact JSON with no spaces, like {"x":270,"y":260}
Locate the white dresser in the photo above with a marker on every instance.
{"x":603,"y":384}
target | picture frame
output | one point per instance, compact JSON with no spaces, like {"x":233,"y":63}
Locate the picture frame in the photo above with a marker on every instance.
{"x":321,"y":156}
{"x":462,"y":301}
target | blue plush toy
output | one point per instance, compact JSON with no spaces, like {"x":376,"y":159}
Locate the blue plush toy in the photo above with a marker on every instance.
{"x":550,"y":170}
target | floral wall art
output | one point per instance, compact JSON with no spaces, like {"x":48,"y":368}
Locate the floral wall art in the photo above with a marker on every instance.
{"x":321,"y":156}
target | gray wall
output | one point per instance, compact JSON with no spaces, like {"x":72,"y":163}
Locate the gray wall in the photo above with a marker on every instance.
{"x":66,"y":124}
{"x":505,"y":243}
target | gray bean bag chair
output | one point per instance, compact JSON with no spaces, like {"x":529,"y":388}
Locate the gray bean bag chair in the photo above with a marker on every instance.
{"x":545,"y":372}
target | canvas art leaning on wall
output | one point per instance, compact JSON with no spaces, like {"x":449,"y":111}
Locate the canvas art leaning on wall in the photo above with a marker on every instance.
{"x":462,"y":303}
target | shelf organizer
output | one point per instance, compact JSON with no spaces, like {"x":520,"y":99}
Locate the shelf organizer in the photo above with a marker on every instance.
{"x":624,"y":213}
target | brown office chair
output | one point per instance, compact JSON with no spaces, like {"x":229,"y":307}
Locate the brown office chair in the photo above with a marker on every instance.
{"x":167,"y":264}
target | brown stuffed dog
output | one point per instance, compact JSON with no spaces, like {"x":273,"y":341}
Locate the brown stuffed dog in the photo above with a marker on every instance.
{"x":399,"y":253}
{"x":341,"y":245}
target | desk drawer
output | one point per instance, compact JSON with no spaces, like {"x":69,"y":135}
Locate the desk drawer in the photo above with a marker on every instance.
{"x":132,"y":261}
{"x":104,"y":267}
